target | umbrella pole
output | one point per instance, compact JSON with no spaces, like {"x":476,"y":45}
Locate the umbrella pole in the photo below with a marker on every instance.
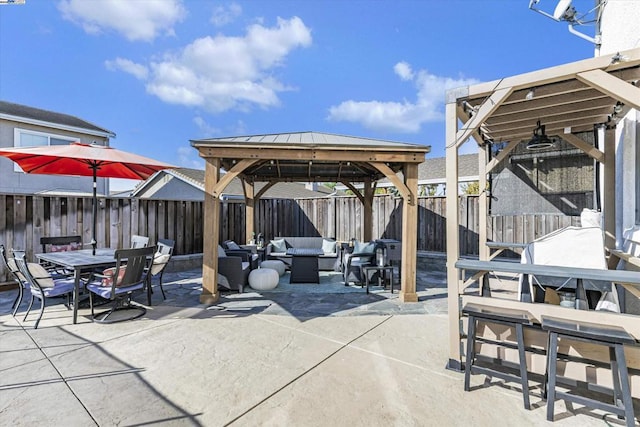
{"x":95,"y":210}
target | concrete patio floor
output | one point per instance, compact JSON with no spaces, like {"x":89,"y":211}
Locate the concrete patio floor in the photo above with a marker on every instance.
{"x":272,"y":359}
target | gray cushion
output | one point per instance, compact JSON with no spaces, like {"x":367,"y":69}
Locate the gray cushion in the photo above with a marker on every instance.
{"x":221,"y":252}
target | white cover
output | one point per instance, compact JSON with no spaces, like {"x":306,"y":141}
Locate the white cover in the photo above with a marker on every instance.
{"x":581,"y":247}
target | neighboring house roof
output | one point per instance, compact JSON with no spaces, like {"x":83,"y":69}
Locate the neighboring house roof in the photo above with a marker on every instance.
{"x":37,"y":116}
{"x":195,"y":178}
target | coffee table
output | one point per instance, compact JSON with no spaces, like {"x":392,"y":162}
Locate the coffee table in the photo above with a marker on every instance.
{"x":304,"y":265}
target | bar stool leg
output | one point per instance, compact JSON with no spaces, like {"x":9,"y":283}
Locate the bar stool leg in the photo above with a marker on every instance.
{"x":471,"y":341}
{"x":552,"y":355}
{"x":624,"y":383}
{"x":617,"y":393}
{"x":524,"y":379}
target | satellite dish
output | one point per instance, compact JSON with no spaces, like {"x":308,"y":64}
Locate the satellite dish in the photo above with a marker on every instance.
{"x":564,"y":11}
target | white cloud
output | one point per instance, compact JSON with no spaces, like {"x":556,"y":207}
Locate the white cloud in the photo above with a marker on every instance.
{"x":205,"y":128}
{"x":405,"y":116}
{"x":225,"y":15}
{"x":136,"y":20}
{"x":188,"y":158}
{"x":403,"y":70}
{"x":223,"y":73}
{"x":139,"y":71}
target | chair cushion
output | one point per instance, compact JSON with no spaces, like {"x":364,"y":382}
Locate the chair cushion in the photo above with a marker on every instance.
{"x":221,"y":252}
{"x":159,"y":262}
{"x":105,"y":292}
{"x":279,"y":245}
{"x":233,"y":246}
{"x":62,"y":286}
{"x":41,"y":275}
{"x":107,"y":281}
{"x":328,"y":246}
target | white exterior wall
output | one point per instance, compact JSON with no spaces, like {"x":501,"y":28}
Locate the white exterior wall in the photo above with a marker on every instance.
{"x":620,"y":29}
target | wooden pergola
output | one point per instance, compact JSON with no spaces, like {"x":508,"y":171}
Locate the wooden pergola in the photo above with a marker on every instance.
{"x":309,"y":157}
{"x":585,"y":96}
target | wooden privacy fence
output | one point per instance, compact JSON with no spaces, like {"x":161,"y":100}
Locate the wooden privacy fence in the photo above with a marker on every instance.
{"x":26,"y":218}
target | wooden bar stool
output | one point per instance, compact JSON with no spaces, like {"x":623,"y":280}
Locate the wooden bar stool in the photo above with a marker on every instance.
{"x":503,"y":316}
{"x":612,"y":337}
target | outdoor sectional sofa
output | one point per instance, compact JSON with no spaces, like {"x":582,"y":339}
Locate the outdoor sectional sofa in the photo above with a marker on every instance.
{"x":328,"y":261}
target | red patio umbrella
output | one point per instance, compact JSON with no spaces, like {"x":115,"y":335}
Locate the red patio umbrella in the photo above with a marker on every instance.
{"x":84,"y":160}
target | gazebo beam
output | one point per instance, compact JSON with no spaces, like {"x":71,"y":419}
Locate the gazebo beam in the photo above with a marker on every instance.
{"x":395,"y":180}
{"x":490,"y":105}
{"x":367,"y":227}
{"x":589,"y":149}
{"x":302,"y":154}
{"x":236,"y":170}
{"x":616,"y":88}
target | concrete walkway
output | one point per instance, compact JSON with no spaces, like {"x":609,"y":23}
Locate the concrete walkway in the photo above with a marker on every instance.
{"x":271,"y":359}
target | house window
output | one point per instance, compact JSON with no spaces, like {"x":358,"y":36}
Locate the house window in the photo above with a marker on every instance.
{"x":30,"y":138}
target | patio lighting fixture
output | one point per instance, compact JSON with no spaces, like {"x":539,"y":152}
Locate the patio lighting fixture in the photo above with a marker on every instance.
{"x":540,"y":140}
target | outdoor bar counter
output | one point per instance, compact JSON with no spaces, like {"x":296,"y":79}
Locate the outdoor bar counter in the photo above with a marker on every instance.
{"x":596,"y":370}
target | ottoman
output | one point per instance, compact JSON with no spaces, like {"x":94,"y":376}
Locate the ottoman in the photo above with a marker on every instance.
{"x":274,"y":265}
{"x":263,"y":279}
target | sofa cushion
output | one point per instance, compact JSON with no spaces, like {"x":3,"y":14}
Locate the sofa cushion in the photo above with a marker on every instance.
{"x":221,"y":252}
{"x":231,"y":245}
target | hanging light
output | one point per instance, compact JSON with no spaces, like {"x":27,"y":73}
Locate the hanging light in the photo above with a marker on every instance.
{"x":540,"y":140}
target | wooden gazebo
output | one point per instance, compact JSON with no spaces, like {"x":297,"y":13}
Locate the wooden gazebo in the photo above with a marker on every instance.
{"x":309,"y":157}
{"x":585,"y":96}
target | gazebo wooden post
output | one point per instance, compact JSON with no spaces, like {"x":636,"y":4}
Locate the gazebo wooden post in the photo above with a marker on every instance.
{"x":453,"y":244}
{"x":483,"y":208}
{"x":249,"y":199}
{"x":609,"y":188}
{"x":409,"y":235}
{"x":211,"y":229}
{"x":367,"y":230}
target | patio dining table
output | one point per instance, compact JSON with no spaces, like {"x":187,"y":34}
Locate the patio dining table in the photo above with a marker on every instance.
{"x":80,"y":261}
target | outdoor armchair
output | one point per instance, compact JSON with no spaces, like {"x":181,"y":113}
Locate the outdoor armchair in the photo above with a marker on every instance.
{"x":42,"y":284}
{"x":131,"y":274}
{"x":10,"y":264}
{"x":248,"y":254}
{"x":234,"y":268}
{"x":362,"y":255}
{"x":161,"y":260}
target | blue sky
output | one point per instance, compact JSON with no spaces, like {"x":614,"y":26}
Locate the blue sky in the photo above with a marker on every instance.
{"x":161,"y":72}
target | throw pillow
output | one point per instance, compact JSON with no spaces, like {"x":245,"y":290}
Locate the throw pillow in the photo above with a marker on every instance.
{"x":363,"y":247}
{"x":107,"y":281}
{"x":279,"y":245}
{"x":328,"y":246}
{"x":221,"y":252}
{"x":233,"y":246}
{"x":159,"y":261}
